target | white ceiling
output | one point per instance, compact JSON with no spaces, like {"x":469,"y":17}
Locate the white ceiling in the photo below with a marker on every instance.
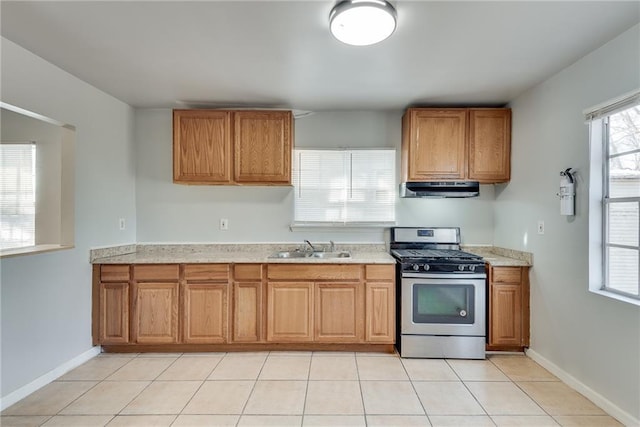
{"x":281,"y":54}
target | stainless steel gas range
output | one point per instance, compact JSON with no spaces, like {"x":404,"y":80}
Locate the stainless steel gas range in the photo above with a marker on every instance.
{"x":441,"y":294}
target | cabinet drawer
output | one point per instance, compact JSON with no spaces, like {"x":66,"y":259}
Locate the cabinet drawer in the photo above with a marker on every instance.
{"x":314,"y":272}
{"x":206,"y":272}
{"x":507,"y":274}
{"x":114,"y":273}
{"x":247,"y":272}
{"x":380,"y":272}
{"x":155,"y":272}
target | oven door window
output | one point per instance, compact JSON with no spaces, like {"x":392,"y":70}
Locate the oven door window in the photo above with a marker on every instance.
{"x":434,"y":303}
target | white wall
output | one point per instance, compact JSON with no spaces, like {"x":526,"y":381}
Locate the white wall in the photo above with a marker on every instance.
{"x":169,"y":212}
{"x":46,"y":298}
{"x":592,"y":338}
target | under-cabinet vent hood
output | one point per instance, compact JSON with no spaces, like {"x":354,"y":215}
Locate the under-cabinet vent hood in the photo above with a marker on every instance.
{"x":440,"y":189}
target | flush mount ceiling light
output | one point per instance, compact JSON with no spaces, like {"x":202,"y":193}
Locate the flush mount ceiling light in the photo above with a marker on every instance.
{"x":362,"y":22}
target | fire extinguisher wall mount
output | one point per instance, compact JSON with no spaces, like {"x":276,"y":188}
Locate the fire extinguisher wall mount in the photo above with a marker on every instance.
{"x":567,"y":192}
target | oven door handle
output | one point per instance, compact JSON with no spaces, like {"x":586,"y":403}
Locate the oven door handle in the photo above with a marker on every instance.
{"x":482,"y":276}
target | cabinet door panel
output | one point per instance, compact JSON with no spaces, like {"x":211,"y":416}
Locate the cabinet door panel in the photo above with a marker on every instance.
{"x":262,"y":143}
{"x":156,"y":313}
{"x":201,"y":146}
{"x":380,"y":312}
{"x":247,"y":312}
{"x":339,"y":313}
{"x":289,"y":312}
{"x":490,"y":145}
{"x":506,"y":315}
{"x":114,"y":313}
{"x":437,"y":144}
{"x":205,"y":313}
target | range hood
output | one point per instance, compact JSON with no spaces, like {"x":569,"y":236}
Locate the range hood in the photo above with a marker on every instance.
{"x":440,"y":189}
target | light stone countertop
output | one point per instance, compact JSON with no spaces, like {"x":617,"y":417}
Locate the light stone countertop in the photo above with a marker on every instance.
{"x":231,"y":253}
{"x":501,"y":257}
{"x":260,"y":254}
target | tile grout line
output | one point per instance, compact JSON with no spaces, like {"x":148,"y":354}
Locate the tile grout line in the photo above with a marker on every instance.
{"x":199,"y":388}
{"x":255,"y":382}
{"x":521,"y":389}
{"x":469,"y":391}
{"x":415,"y":391}
{"x":147,"y":386}
{"x":364,"y":407}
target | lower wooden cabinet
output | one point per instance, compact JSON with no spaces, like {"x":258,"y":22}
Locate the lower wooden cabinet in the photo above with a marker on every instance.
{"x":289,"y":312}
{"x":243,"y":304}
{"x":205,"y":313}
{"x":380,"y":303}
{"x":339,"y":312}
{"x":114,"y":313}
{"x":508,"y":327}
{"x":111,"y":304}
{"x":247,"y":303}
{"x":205,"y":301}
{"x":155,"y":313}
{"x":380,"y":312}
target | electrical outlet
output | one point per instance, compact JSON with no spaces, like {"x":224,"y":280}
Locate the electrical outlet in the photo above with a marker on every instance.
{"x":122,"y":223}
{"x":540,"y":227}
{"x":224,"y":224}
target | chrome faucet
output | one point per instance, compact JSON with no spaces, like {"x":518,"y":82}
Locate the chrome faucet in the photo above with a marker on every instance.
{"x":332,"y":246}
{"x":309,"y":243}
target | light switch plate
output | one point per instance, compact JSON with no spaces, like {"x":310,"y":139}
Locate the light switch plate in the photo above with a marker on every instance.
{"x":540,"y":227}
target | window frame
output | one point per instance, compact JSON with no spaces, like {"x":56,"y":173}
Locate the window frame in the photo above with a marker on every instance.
{"x":598,"y":119}
{"x":60,"y":234}
{"x":342,"y":225}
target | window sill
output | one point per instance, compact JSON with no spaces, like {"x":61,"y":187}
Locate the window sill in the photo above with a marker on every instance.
{"x":615,"y":296}
{"x":32,"y":250}
{"x":340,"y":226}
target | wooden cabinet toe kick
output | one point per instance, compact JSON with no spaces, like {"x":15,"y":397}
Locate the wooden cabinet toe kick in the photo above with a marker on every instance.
{"x":187,"y":348}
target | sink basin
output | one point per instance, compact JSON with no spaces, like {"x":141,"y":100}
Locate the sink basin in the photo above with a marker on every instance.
{"x":300,"y":254}
{"x":342,"y":254}
{"x":289,"y":254}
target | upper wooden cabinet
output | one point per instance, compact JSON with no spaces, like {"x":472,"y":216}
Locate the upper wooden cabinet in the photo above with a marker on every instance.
{"x":489,"y":145}
{"x":202,"y":147}
{"x":262,"y":147}
{"x":232,"y":147}
{"x":456,"y":144}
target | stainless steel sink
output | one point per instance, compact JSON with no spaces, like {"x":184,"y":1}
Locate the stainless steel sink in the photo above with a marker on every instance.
{"x":341,"y":254}
{"x":301,"y":254}
{"x":289,"y":254}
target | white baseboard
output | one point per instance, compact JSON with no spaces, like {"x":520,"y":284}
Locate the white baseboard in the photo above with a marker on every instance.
{"x":605,"y":404}
{"x":47,"y":378}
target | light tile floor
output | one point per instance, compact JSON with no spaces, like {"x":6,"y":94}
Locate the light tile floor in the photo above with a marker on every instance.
{"x":304,"y":389}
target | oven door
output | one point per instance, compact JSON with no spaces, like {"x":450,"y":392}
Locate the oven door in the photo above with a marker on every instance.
{"x":443,"y":304}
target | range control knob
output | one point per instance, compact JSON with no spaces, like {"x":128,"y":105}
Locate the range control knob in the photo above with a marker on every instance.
{"x":426,"y":267}
{"x":415,"y":267}
{"x":472,"y":267}
{"x":461,"y":267}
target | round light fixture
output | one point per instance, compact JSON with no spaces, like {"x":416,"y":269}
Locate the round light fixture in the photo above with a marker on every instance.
{"x":362,"y":22}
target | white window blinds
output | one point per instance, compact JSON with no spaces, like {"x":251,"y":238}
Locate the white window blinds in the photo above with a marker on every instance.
{"x":344,"y":187}
{"x":17,"y":194}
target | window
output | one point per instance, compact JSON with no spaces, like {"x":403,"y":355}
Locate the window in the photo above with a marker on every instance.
{"x":36,"y":183}
{"x":345,"y":187}
{"x":17,"y":195}
{"x":615,"y":185}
